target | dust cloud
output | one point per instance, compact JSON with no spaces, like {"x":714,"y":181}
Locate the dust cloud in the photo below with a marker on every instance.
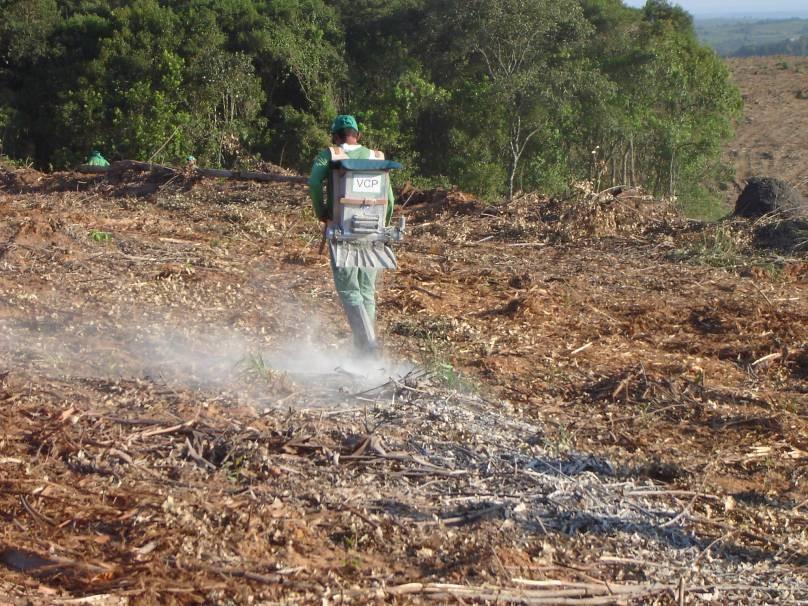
{"x":211,"y":358}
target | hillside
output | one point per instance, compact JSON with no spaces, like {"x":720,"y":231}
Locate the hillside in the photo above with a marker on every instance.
{"x":732,"y":37}
{"x":575,"y":406}
{"x":769,"y":138}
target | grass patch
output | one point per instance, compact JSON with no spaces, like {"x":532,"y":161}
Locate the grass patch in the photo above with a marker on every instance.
{"x":559,"y":443}
{"x":446,"y":374}
{"x":718,"y":248}
{"x":736,"y":246}
{"x":15,"y":164}
{"x":441,"y":369}
{"x":100,"y":236}
{"x":703,"y":204}
{"x":253,"y":368}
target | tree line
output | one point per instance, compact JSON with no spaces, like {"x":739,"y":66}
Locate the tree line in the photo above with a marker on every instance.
{"x":795,"y":47}
{"x":494,"y":96}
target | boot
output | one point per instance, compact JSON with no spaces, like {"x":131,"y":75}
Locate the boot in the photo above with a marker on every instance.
{"x":362,"y":327}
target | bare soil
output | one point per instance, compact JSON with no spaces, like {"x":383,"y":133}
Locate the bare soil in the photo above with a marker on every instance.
{"x":769,"y":139}
{"x":572,"y":408}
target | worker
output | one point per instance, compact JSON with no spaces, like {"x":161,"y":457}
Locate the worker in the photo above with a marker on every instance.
{"x":356,"y":286}
{"x":96,"y":159}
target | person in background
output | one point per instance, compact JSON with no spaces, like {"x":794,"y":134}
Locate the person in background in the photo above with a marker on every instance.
{"x":96,"y":159}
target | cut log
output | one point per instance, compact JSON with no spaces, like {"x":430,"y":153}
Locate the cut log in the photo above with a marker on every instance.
{"x":243,"y":175}
{"x":249,"y":175}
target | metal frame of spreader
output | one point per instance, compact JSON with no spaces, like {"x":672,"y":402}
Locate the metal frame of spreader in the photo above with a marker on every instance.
{"x":356,"y":234}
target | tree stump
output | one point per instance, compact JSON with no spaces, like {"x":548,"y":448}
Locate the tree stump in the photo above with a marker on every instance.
{"x":767,"y":195}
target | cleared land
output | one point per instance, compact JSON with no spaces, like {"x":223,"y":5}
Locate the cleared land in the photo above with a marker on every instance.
{"x":590,"y":401}
{"x":575,"y":406}
{"x":770,"y":138}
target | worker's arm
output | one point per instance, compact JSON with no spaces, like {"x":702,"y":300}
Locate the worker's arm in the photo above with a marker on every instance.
{"x":319,"y":172}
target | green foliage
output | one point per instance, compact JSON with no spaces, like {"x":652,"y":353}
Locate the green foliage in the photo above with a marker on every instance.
{"x":25,"y":28}
{"x":530,"y":53}
{"x":718,"y":248}
{"x":147,"y":80}
{"x":226,"y":101}
{"x":702,"y":203}
{"x":669,"y":108}
{"x":100,"y":236}
{"x":297,"y":138}
{"x":253,"y":365}
{"x":491,"y":95}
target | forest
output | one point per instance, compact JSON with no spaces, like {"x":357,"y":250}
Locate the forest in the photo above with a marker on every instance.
{"x":797,"y":46}
{"x":492,"y":96}
{"x":747,"y":37}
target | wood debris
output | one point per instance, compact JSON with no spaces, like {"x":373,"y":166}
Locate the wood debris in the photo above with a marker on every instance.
{"x":579,"y":418}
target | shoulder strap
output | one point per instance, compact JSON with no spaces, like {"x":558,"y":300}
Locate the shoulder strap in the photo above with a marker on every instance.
{"x":337,"y":153}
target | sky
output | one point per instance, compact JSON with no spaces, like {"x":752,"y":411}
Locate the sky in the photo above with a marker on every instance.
{"x":704,"y":8}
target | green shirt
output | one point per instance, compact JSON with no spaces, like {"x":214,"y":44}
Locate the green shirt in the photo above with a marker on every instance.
{"x":97,"y":159}
{"x":321,"y":170}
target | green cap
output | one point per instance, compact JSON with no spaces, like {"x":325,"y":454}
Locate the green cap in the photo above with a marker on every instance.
{"x":341,"y":122}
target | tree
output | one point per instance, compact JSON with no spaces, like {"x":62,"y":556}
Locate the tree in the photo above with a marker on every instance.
{"x":25,"y":29}
{"x":25,"y":26}
{"x":129,"y":97}
{"x":525,"y":59}
{"x":490,"y":95}
{"x":226,"y":99}
{"x":688,"y":102}
{"x":670,"y":104}
{"x":296,"y":47}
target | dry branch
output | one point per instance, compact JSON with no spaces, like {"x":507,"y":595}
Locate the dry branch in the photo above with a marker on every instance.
{"x":560,"y":593}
